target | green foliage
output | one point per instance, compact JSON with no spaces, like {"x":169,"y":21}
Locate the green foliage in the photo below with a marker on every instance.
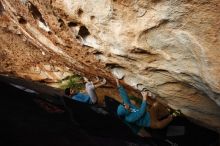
{"x":74,"y":81}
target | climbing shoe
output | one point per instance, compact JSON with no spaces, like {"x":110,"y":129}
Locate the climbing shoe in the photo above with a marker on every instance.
{"x":176,"y":113}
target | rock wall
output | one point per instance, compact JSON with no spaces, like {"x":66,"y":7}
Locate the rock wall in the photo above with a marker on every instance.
{"x":169,"y":47}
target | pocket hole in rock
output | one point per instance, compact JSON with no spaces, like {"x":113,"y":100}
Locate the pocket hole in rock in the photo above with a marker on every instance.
{"x":79,"y":12}
{"x":83,"y":32}
{"x":72,"y":24}
{"x":61,"y":22}
{"x":21,"y":20}
{"x":92,"y":17}
{"x":36,"y":13}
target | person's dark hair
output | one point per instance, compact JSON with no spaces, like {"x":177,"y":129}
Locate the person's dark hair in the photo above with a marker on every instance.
{"x":67,"y":91}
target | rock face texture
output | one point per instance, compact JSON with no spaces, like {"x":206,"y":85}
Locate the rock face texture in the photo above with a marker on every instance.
{"x":169,"y":47}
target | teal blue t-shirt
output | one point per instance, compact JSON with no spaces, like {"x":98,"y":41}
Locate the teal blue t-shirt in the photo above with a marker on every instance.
{"x":82,"y":97}
{"x":137,"y":116}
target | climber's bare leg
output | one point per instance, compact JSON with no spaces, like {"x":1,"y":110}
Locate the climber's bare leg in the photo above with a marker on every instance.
{"x":155,"y":116}
{"x":162,"y":111}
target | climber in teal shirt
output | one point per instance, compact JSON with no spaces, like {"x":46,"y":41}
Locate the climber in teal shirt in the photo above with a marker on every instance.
{"x":138,"y":118}
{"x":131,"y":113}
{"x":89,"y":96}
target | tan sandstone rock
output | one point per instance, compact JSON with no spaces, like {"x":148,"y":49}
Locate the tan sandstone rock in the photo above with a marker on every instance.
{"x":169,"y":47}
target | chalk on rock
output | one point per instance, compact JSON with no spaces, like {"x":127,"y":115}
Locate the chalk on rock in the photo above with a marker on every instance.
{"x":118,"y":73}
